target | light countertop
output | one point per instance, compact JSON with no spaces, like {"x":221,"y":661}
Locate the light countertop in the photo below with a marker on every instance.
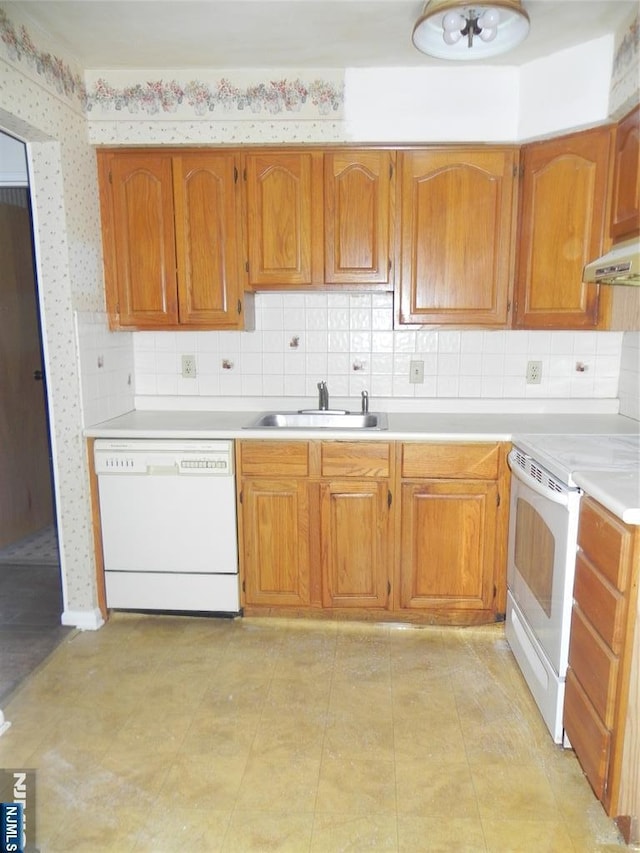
{"x":618,"y":491}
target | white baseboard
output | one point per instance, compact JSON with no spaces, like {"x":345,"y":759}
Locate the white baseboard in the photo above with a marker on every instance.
{"x":85,"y":620}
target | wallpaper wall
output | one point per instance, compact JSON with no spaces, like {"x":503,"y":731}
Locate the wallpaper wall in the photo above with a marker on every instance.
{"x":40,"y":105}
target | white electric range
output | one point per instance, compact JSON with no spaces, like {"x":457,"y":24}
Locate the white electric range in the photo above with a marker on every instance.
{"x":543,"y":531}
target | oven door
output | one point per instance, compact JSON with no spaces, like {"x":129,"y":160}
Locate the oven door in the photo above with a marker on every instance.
{"x":543,"y":524}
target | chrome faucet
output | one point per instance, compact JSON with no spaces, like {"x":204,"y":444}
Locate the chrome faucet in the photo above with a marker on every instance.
{"x":323,"y":396}
{"x":365,"y":402}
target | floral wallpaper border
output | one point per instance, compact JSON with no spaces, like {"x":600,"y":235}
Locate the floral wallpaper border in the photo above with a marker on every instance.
{"x":157,"y":96}
{"x":274,"y":96}
{"x":20,"y":48}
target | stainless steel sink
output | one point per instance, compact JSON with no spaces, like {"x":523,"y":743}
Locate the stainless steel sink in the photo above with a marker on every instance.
{"x":318,"y":419}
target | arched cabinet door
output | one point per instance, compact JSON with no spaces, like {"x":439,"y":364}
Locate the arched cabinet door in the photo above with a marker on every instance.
{"x":207,"y":239}
{"x":562,"y":227}
{"x":141,"y":267}
{"x":358,"y":217}
{"x":283,"y":218}
{"x":454,"y":236}
{"x":625,"y":192}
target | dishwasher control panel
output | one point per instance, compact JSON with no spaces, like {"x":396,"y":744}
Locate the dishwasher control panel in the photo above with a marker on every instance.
{"x":142,"y":456}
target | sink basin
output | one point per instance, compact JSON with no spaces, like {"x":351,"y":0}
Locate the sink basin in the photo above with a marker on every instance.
{"x":320,"y":420}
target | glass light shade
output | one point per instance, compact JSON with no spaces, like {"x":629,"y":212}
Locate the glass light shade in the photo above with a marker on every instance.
{"x":451,"y":37}
{"x":489,"y":19}
{"x":512,"y":28}
{"x":488,"y":34}
{"x":453,"y":21}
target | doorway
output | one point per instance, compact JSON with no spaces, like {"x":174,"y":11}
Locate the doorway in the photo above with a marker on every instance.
{"x":30,"y":582}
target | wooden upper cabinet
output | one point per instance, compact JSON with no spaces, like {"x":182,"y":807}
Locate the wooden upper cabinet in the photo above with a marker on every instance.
{"x":284,"y":218}
{"x":625,"y":192}
{"x":562,"y":226}
{"x":208,"y":225}
{"x":454,"y":235}
{"x":138,"y":231}
{"x":358,"y":196}
{"x":171,"y":234}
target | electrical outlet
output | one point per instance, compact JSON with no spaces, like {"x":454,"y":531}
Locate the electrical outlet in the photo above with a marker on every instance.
{"x":188,"y":367}
{"x":416,"y":372}
{"x":534,"y":372}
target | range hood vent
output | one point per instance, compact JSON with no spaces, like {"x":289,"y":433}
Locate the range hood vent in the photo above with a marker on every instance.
{"x":620,"y":265}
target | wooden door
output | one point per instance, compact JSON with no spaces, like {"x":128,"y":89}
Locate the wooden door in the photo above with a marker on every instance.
{"x":138,"y":232}
{"x":562,"y":226}
{"x":26,"y":504}
{"x":358,"y":216}
{"x":275,"y":522}
{"x":354,"y":536}
{"x":625,"y":193}
{"x":455,"y":236}
{"x":208,"y":228}
{"x":284,"y":218}
{"x":448,"y":544}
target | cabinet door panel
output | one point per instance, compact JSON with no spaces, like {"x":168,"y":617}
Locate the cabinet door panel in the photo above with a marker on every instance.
{"x":625,"y":196}
{"x":455,"y":241}
{"x":562,"y":219}
{"x":357,"y":199}
{"x":354,"y":521}
{"x":280,"y":224}
{"x":275,"y":517}
{"x":447,"y":544}
{"x":206,"y":238}
{"x":143,"y":237}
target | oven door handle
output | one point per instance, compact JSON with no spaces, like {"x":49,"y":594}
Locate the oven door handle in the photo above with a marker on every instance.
{"x":561,"y":498}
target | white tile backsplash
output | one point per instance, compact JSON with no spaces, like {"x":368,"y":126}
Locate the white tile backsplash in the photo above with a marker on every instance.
{"x":629,"y":387}
{"x":348,"y":339}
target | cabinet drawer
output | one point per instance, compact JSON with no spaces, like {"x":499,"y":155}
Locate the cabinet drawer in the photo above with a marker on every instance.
{"x":355,"y":459}
{"x":274,"y":458}
{"x":595,"y":666}
{"x":588,"y":736}
{"x":601,"y":603}
{"x":475,"y":461}
{"x":606,"y":541}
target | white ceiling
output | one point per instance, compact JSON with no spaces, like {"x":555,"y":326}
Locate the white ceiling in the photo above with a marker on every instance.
{"x":220,"y":34}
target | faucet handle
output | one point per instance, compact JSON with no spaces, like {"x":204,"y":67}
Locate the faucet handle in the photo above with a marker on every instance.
{"x":365,"y":402}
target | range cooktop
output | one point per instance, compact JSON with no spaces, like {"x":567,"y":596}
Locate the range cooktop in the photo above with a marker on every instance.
{"x":563,"y":455}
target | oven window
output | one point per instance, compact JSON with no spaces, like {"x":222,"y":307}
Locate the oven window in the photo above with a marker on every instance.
{"x":534,"y":553}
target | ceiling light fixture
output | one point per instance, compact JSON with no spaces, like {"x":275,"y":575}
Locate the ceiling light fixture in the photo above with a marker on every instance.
{"x":448,"y":29}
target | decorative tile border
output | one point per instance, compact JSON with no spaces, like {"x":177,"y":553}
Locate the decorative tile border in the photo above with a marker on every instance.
{"x":273,"y":97}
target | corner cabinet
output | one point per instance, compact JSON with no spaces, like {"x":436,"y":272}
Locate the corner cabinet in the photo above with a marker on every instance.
{"x":625,"y":192}
{"x":562,"y":226}
{"x":452,"y":531}
{"x":318,"y":218}
{"x":171,"y":237}
{"x":454,"y":236}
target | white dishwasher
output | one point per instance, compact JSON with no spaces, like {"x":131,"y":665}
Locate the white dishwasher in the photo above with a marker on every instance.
{"x":168,"y":518}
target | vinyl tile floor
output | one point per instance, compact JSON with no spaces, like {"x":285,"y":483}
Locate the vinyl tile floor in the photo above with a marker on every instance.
{"x":165,"y":733}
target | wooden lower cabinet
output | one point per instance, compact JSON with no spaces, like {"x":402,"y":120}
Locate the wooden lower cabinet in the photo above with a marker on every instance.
{"x":374,"y":529}
{"x":600,"y":719}
{"x":447,"y":545}
{"x":354,"y":535}
{"x":276,"y":541}
{"x":452,"y":531}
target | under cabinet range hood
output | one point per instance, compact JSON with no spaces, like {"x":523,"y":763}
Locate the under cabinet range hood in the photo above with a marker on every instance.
{"x":620,"y":265}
